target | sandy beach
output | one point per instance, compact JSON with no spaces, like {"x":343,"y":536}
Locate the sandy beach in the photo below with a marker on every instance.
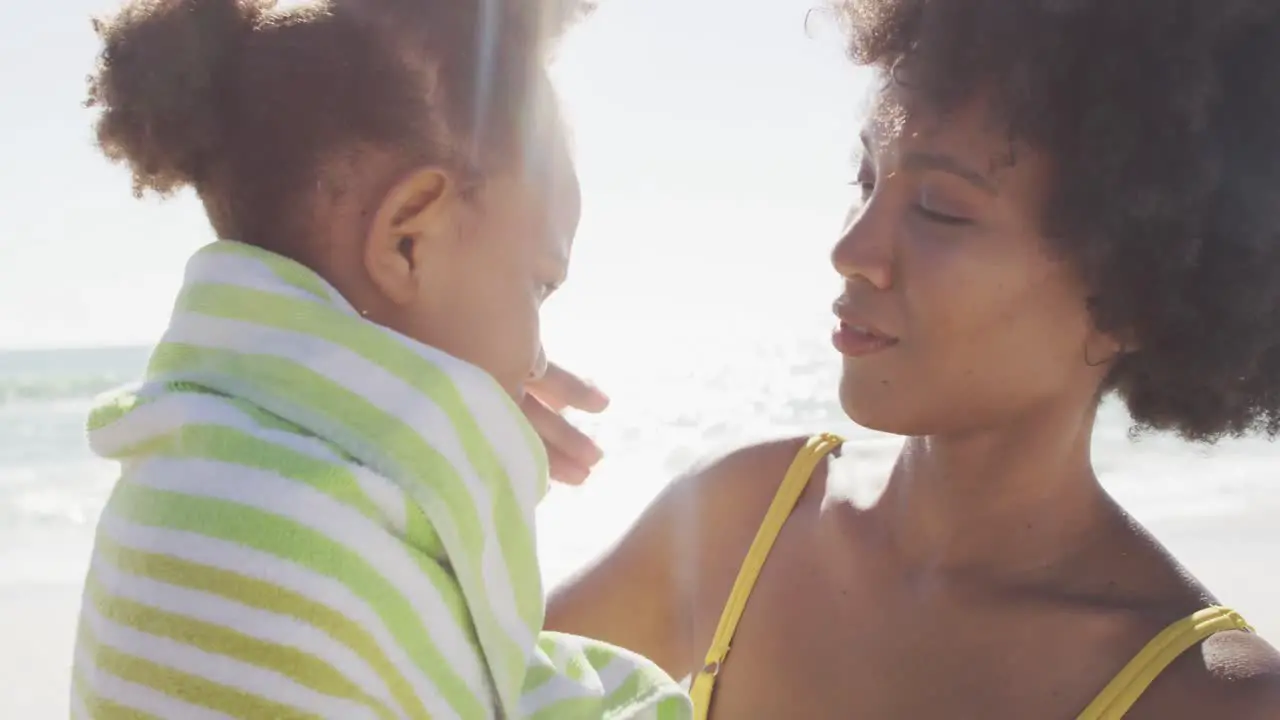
{"x":1235,"y":555}
{"x":37,"y":627}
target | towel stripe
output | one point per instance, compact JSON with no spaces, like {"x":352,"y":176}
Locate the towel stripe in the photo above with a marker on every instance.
{"x":251,"y":607}
{"x":214,"y":566}
{"x":303,"y":650}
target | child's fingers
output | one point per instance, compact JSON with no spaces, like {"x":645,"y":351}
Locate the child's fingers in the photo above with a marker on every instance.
{"x":565,"y":470}
{"x":559,"y":389}
{"x":559,"y":435}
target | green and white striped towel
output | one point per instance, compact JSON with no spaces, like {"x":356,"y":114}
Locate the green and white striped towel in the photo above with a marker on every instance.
{"x":318,"y":517}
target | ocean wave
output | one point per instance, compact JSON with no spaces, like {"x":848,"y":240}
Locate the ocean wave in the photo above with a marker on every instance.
{"x":44,"y":376}
{"x":40,"y":390}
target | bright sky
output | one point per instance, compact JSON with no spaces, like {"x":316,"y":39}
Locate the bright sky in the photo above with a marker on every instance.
{"x":712,"y":140}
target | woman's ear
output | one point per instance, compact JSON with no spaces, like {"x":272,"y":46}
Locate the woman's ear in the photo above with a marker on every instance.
{"x":408,"y":228}
{"x":1105,"y":348}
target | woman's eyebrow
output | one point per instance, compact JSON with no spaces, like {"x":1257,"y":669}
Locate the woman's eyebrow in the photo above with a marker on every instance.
{"x":941,"y":162}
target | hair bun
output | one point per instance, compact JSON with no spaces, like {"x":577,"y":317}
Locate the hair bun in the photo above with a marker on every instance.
{"x":156,"y":83}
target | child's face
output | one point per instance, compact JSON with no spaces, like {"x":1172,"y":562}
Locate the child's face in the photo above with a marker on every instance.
{"x":467,"y":272}
{"x":512,"y":251}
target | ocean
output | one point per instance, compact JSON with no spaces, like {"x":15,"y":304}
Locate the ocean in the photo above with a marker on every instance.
{"x":728,"y":387}
{"x":51,"y":487}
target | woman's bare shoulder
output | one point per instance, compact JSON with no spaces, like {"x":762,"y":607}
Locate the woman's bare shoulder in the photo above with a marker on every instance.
{"x":1232,"y":675}
{"x":1240,"y":676}
{"x":717,"y":505}
{"x":640,"y":593}
{"x":740,"y":479}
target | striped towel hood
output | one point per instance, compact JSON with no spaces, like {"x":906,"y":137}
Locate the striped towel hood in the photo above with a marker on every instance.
{"x":320,"y":517}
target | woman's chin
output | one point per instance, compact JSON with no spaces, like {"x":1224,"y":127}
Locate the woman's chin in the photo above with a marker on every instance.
{"x":875,"y":406}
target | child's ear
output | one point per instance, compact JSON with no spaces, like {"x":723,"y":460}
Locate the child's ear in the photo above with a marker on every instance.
{"x":412,"y":220}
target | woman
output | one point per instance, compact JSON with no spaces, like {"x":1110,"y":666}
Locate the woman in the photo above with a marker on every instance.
{"x":1061,"y":199}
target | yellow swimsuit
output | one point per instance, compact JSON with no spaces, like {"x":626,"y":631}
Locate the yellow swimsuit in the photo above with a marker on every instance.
{"x":1111,"y":704}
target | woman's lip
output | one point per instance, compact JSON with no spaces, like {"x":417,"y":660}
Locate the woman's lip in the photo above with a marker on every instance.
{"x":850,"y":316}
{"x":859,"y":341}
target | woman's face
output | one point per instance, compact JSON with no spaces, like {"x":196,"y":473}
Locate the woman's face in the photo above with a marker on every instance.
{"x":954,"y":317}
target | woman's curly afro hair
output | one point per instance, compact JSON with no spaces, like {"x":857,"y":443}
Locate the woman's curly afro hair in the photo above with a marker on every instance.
{"x":1162,"y":118}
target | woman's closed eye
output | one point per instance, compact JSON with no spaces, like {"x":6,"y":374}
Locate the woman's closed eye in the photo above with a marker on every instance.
{"x":935,"y":209}
{"x":931,"y":205}
{"x":939,"y":217}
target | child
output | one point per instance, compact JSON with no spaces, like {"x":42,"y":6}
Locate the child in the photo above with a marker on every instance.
{"x":327,"y":495}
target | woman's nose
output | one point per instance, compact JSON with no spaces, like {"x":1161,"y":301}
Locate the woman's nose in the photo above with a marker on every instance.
{"x":865,"y":249}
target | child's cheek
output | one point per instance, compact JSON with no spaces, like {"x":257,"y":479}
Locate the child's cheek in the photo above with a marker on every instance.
{"x":539,"y":363}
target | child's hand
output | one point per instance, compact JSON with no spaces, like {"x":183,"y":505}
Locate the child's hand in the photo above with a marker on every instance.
{"x":572,"y":453}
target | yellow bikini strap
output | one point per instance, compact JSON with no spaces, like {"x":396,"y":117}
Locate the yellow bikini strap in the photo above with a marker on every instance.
{"x":1124,"y":690}
{"x":793,"y":485}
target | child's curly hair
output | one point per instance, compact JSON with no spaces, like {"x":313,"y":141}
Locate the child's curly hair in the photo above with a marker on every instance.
{"x":245,"y":102}
{"x":1163,"y":120}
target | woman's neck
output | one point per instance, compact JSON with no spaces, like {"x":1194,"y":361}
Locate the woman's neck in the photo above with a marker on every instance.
{"x":1002,"y":502}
